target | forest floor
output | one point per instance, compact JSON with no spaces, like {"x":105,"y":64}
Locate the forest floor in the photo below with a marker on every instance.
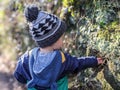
{"x":7,"y":80}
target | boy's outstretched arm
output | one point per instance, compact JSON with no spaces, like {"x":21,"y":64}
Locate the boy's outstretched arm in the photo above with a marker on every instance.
{"x":74,"y":64}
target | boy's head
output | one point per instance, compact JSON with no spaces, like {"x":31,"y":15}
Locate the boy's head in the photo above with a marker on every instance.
{"x":45,"y":28}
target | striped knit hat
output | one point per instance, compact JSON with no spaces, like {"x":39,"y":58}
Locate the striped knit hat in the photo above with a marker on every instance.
{"x":45,"y":28}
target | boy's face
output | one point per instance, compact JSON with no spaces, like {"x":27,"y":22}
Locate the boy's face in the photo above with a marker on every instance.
{"x":59,"y":43}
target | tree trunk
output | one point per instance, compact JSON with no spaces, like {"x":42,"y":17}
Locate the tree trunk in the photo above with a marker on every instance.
{"x":111,"y":79}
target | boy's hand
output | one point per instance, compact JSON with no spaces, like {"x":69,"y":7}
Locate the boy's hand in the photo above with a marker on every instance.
{"x":100,"y":61}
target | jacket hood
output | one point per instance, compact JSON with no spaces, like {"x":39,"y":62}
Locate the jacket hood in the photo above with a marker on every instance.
{"x":45,"y":78}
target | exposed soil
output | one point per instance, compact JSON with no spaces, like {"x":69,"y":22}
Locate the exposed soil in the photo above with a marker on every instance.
{"x":7,"y":80}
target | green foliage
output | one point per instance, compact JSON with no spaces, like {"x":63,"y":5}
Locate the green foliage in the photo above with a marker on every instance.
{"x":97,"y":27}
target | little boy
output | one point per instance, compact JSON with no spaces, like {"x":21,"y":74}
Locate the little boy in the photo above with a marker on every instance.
{"x":45,"y":67}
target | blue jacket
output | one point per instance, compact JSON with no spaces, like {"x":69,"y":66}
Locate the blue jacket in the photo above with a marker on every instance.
{"x":61,"y":65}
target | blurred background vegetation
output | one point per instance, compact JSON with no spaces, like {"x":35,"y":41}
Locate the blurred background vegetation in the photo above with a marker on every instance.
{"x":93,"y":29}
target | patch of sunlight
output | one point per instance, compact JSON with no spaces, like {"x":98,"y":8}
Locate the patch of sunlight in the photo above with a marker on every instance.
{"x":7,"y":48}
{"x":4,"y":2}
{"x":1,"y":14}
{"x":1,"y":29}
{"x":21,"y":18}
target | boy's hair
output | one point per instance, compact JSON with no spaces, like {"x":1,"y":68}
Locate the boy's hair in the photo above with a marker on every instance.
{"x":45,"y":28}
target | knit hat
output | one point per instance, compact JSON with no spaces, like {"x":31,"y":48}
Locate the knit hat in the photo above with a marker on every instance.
{"x":45,"y":28}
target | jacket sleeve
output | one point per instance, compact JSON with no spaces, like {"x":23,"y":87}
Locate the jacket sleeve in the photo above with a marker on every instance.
{"x":74,"y":64}
{"x":21,"y":72}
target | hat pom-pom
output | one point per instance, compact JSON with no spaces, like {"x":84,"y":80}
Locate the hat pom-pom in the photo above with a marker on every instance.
{"x":31,"y":13}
